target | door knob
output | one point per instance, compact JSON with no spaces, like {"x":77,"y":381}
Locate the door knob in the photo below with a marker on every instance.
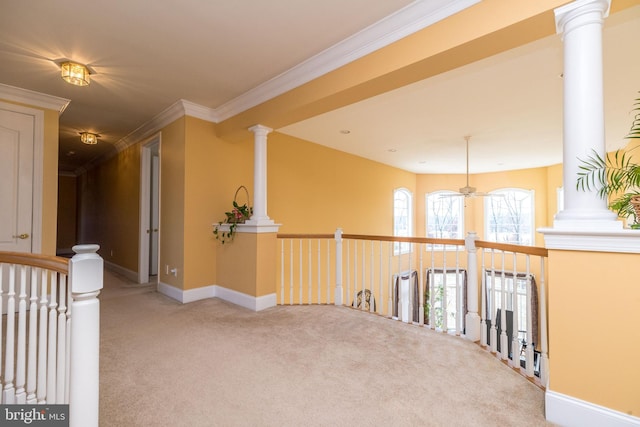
{"x":21,"y":236}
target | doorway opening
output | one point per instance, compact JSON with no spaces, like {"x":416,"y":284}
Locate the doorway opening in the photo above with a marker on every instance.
{"x":149,"y":211}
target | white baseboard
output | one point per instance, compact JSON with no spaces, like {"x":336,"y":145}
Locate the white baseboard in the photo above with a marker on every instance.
{"x":568,"y":411}
{"x":215,"y":291}
{"x":131,"y":275}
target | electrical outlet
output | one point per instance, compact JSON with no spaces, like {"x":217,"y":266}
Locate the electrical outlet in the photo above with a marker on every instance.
{"x":174,"y":271}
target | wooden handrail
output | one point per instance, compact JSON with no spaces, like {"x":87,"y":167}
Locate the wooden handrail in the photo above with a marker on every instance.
{"x":529,"y":250}
{"x":49,"y":262}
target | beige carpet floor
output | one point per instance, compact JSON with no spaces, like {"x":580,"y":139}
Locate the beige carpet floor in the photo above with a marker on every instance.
{"x":210,"y":363}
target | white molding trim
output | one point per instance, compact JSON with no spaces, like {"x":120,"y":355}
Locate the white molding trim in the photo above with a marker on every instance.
{"x":622,"y":241}
{"x":569,"y":411}
{"x":175,"y":111}
{"x":408,"y":20}
{"x":215,"y":291}
{"x":37,"y":164}
{"x":129,"y":274}
{"x":246,"y":301}
{"x":36,"y":99}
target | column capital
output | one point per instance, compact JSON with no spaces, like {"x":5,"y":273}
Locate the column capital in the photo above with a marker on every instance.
{"x":260,"y":129}
{"x":580,"y":8}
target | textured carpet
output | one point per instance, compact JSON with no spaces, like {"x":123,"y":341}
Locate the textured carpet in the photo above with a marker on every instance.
{"x":210,"y":363}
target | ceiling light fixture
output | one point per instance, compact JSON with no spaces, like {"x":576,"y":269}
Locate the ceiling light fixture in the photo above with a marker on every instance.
{"x":74,"y":73}
{"x":89,"y":138}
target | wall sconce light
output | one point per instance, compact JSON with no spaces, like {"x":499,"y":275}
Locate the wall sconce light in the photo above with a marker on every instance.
{"x":89,"y":138}
{"x":74,"y":73}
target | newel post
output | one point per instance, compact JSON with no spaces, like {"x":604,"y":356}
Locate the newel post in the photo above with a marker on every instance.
{"x":472,"y":319}
{"x":86,"y":276}
{"x":338,"y":294}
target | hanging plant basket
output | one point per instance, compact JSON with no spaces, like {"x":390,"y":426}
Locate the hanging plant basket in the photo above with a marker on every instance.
{"x":238,"y":215}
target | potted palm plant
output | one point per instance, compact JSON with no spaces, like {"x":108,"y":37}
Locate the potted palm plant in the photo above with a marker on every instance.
{"x":616,"y":176}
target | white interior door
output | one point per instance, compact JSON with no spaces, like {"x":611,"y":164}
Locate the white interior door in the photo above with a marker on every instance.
{"x":16,"y":180}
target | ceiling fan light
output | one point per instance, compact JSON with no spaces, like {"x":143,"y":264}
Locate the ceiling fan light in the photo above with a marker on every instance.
{"x":89,"y":138}
{"x":75,"y":74}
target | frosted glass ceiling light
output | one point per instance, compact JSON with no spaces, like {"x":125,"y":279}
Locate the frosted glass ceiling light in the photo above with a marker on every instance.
{"x":89,"y":138}
{"x":74,"y":73}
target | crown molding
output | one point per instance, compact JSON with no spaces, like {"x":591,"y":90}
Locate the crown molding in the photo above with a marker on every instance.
{"x":412,"y":18}
{"x":36,"y":99}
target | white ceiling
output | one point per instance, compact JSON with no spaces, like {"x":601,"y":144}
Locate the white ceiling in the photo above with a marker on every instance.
{"x":147,"y":56}
{"x":510,"y":104}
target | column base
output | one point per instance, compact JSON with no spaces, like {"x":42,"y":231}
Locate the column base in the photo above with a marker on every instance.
{"x":472,"y":327}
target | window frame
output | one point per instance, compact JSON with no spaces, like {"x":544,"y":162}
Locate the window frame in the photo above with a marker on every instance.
{"x":400,"y":248}
{"x":488,"y":205}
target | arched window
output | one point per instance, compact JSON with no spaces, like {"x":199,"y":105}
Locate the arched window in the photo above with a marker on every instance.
{"x":402,"y":218}
{"x":509,"y":216}
{"x":444,"y":215}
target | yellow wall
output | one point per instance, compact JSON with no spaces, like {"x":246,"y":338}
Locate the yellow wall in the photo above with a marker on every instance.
{"x":214,"y":170}
{"x":593,"y":328}
{"x":109,"y":208}
{"x":67,"y":208}
{"x":314,"y":189}
{"x":172,"y":196}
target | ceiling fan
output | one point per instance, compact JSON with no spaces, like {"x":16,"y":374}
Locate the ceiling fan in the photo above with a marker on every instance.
{"x":467,"y":190}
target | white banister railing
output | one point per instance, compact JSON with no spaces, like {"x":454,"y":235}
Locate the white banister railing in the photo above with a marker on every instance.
{"x":438,"y":283}
{"x":46,"y":357}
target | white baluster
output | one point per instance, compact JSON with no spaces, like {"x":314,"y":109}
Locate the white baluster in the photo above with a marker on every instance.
{"x":319,"y":278}
{"x":338,"y":271}
{"x":86,"y":274}
{"x":459,"y":309}
{"x":410,"y":284}
{"x":21,"y":355}
{"x":529,"y":353}
{"x":380,"y":281}
{"x":41,"y":392}
{"x":348,"y":284}
{"x":390,"y":294}
{"x":483,"y":304}
{"x":8,"y":393}
{"x":515,"y":343}
{"x":445,"y":312}
{"x":291,"y":258}
{"x":421,"y":286}
{"x":33,"y":339}
{"x":282,"y":273}
{"x":494,"y":310}
{"x":371,"y":280}
{"x":51,"y":340}
{"x":2,"y":270}
{"x":432,"y":290}
{"x":309,"y":269}
{"x":504,"y":340}
{"x":61,"y":374}
{"x":364,"y":274}
{"x":300,"y":284}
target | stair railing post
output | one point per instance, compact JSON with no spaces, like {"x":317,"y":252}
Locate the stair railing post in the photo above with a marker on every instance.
{"x":338,"y":294}
{"x":472,"y":319}
{"x":86,"y":275}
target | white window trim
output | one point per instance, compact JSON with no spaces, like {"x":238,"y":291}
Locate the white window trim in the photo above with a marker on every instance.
{"x":487,"y":232}
{"x":403,"y":248}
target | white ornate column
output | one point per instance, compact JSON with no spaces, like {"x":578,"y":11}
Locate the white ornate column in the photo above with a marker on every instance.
{"x":580,"y":24}
{"x":260,"y":216}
